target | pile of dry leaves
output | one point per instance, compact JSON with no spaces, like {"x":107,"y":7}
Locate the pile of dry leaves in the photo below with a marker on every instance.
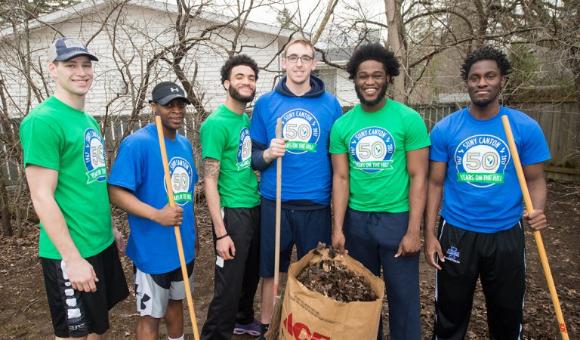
{"x":333,"y":279}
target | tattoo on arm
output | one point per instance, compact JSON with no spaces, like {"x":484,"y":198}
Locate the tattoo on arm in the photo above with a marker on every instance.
{"x":211,"y":167}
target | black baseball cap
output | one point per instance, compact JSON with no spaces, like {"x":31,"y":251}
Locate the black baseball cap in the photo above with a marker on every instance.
{"x":65,"y":48}
{"x":166,"y":91}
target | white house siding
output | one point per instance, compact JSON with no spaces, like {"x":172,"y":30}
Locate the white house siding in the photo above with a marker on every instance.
{"x":142,"y":32}
{"x":345,"y":89}
{"x":337,"y":82}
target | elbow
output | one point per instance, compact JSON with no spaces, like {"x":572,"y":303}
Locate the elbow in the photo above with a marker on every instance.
{"x":210,"y":185}
{"x":37,"y":200}
{"x":340,"y":184}
{"x":116,"y":195}
{"x":41,"y":200}
{"x":418,"y":178}
{"x":340,"y":178}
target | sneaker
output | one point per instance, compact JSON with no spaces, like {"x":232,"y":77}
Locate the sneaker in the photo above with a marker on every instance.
{"x":252,"y":329}
{"x":263,"y":330}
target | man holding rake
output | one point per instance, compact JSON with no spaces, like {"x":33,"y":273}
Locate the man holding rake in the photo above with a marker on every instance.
{"x":307,"y":113}
{"x":480,"y":231}
{"x":136,"y":185}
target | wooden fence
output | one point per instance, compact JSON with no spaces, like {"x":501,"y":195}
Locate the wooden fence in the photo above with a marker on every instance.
{"x":559,"y":121}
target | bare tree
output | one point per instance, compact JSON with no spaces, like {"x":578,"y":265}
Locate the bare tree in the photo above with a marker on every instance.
{"x":397,"y":42}
{"x":140,"y":54}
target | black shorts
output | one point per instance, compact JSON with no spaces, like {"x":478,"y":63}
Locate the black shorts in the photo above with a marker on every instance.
{"x":77,"y":314}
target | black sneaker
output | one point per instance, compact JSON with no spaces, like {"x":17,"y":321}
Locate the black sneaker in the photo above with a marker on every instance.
{"x":263,"y":329}
{"x":254,"y":328}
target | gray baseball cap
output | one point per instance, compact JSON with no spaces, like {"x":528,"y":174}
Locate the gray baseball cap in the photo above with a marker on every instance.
{"x":66,"y":48}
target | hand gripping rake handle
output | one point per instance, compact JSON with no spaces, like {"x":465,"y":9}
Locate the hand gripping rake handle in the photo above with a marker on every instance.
{"x":176,"y":228}
{"x":537,"y":235}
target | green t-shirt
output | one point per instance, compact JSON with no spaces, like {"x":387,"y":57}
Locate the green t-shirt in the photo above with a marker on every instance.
{"x":376,"y":144}
{"x":59,"y":137}
{"x":225,"y":136}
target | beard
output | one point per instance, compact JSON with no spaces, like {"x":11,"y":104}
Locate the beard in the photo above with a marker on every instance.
{"x":237,"y":96}
{"x":380,"y":96}
{"x":483,"y":102}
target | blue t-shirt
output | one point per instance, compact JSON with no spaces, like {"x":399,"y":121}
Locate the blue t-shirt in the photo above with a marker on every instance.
{"x":481,"y":191}
{"x":306,"y":124}
{"x":139,"y":169}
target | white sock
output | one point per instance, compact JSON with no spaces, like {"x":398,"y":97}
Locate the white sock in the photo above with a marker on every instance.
{"x":180,"y":338}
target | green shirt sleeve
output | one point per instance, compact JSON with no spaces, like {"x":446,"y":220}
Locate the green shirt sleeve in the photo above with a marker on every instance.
{"x":337,"y":144}
{"x":416,"y":136}
{"x":212,"y":141}
{"x":41,"y":143}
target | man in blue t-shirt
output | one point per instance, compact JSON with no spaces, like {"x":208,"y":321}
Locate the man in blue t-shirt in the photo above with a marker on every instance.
{"x":307,"y":112}
{"x":480,"y":233}
{"x":136,"y":185}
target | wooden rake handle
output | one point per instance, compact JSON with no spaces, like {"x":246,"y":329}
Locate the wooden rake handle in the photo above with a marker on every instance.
{"x":537,"y":234}
{"x":278,"y":212}
{"x":176,"y":230}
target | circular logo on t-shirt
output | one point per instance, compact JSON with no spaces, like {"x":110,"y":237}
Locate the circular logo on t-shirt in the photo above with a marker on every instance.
{"x":372,"y":149}
{"x":94,"y":156}
{"x":301,"y":131}
{"x":181,"y":180}
{"x":244,"y":149}
{"x":481,"y":160}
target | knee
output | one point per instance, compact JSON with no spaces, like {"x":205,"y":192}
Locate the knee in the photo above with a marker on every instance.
{"x":174,"y":312}
{"x":174,"y":306}
{"x":147,"y":327}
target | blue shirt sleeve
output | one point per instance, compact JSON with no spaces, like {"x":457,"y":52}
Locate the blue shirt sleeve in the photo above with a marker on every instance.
{"x":258,"y":128}
{"x":438,"y":151}
{"x":534,"y":148}
{"x":126,"y":171}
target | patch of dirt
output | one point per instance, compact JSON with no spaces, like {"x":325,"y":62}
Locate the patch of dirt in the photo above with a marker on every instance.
{"x":331,"y":278}
{"x":24,"y":312}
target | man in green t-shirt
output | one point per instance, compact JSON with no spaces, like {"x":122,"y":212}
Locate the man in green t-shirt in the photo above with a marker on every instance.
{"x":380,"y":160}
{"x":66,"y":172}
{"x":231,"y":191}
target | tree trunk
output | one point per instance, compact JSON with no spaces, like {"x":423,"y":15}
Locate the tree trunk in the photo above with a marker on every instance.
{"x":329,"y":10}
{"x":5,"y":209}
{"x":20,"y":188}
{"x":575,"y":55}
{"x":395,"y":41}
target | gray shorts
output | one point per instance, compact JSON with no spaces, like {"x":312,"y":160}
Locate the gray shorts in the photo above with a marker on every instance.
{"x":153,"y":291}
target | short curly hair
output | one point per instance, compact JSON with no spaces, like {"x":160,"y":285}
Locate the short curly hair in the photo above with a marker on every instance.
{"x":486,"y":53}
{"x":233,"y":61}
{"x":375,"y":52}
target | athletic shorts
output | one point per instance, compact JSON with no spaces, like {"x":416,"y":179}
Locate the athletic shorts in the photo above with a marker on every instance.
{"x":153,"y":291}
{"x":77,"y":314}
{"x":303,"y":227}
